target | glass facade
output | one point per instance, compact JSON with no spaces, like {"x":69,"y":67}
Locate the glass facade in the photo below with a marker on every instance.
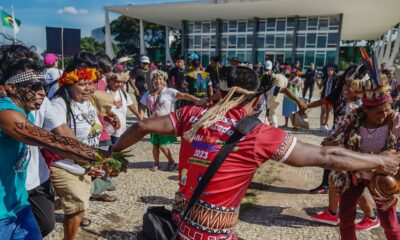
{"x":309,"y":39}
{"x":239,"y":36}
{"x":317,"y":40}
{"x":202,"y":39}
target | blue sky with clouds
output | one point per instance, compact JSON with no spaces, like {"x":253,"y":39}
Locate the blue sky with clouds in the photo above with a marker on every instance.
{"x":35,"y":15}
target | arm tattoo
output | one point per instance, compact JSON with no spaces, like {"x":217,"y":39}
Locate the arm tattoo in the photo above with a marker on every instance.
{"x":64,"y":146}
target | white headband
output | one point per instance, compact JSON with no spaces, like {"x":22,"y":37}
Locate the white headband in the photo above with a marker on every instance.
{"x":26,"y":76}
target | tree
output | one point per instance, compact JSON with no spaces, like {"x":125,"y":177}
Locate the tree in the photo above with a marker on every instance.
{"x":126,"y":32}
{"x":89,"y":44}
{"x":154,"y":35}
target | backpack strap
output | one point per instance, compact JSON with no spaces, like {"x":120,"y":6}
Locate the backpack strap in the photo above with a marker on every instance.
{"x":245,"y":126}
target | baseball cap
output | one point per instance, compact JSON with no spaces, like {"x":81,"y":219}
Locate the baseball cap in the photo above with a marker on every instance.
{"x":50,"y":58}
{"x":268,"y":65}
{"x":145,"y":59}
{"x":193,"y":56}
{"x":123,"y":59}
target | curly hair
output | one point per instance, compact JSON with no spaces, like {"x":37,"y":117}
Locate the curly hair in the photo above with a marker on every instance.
{"x":159,"y":73}
{"x":17,"y":58}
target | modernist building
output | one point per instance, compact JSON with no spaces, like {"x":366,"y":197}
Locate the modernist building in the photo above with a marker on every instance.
{"x":278,"y":30}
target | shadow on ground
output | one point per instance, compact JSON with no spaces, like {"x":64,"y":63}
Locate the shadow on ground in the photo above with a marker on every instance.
{"x":173,"y":178}
{"x":276,"y":189}
{"x":272,"y":216}
{"x":157,"y":200}
{"x":315,"y":132}
{"x":114,"y":235}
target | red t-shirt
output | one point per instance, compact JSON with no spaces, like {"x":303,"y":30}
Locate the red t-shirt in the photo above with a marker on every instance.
{"x":218,"y":208}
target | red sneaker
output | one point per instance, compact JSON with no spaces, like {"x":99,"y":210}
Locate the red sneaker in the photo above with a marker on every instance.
{"x":326,"y":217}
{"x":318,"y":190}
{"x":368,"y":224}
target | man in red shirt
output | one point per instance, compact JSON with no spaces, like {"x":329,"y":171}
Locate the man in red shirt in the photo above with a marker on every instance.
{"x":205,"y":129}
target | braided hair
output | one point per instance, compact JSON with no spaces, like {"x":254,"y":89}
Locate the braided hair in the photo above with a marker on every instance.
{"x":243,"y":85}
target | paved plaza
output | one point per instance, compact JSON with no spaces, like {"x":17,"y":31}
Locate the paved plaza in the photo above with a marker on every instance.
{"x":277,"y":206}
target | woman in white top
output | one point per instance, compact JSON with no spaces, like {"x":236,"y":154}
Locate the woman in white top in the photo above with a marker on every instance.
{"x":160,"y":101}
{"x":74,"y":107}
{"x":122,"y":101}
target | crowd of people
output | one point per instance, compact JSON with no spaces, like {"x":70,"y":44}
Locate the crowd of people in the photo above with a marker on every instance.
{"x":55,"y":125}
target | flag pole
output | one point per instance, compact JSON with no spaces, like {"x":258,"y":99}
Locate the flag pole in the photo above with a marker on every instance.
{"x":62,"y":47}
{"x":15,"y":33}
{"x":2,"y":25}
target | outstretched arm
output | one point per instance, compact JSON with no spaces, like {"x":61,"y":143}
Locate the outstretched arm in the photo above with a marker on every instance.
{"x":299,"y":103}
{"x":189,"y":97}
{"x":135,"y":111}
{"x":17,"y":126}
{"x":158,"y":125}
{"x":339,"y":159}
{"x":315,"y":104}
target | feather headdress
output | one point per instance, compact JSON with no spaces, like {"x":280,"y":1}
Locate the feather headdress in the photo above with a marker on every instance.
{"x":373,"y":89}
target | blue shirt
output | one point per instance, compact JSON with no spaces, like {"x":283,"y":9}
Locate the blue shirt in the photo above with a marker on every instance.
{"x":14,"y":157}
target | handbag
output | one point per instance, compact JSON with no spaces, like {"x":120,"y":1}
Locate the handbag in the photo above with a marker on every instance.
{"x":157,"y":221}
{"x":300,"y":120}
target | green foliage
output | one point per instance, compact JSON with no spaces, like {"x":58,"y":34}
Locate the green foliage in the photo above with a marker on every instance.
{"x":126,"y":32}
{"x":89,"y":44}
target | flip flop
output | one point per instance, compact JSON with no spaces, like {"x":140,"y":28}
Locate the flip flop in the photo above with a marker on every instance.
{"x":154,"y":168}
{"x":104,"y":198}
{"x":85,"y":222}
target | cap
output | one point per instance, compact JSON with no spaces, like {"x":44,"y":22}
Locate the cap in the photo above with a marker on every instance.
{"x":50,"y":58}
{"x":193,"y":56}
{"x":145,"y":59}
{"x":268,"y":65}
{"x":123,"y":59}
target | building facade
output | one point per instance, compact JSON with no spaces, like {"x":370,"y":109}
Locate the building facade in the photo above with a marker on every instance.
{"x":256,"y":30}
{"x":284,"y":40}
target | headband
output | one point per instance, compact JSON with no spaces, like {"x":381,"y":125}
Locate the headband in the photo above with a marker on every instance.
{"x":71,"y":77}
{"x":26,"y":76}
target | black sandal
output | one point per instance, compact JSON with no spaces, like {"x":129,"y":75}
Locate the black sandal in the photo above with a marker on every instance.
{"x":85,"y":222}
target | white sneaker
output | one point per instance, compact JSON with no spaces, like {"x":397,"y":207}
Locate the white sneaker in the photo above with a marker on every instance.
{"x":326,"y":127}
{"x":322,"y":128}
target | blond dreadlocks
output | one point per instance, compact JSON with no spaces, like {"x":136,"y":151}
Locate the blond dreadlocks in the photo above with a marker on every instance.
{"x":219,"y":110}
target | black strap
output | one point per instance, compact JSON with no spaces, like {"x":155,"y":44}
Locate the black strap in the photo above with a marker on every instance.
{"x":244,"y":127}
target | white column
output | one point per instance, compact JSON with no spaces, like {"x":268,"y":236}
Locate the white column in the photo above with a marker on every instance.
{"x":382,"y":51}
{"x":396,"y":47}
{"x":386,"y":55}
{"x":109,"y":48}
{"x":142,"y":48}
{"x":167,"y":50}
{"x":378,"y":47}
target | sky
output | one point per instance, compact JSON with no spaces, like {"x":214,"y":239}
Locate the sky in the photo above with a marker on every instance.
{"x":35,"y":15}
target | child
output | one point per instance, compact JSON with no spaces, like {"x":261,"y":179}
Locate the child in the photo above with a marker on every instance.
{"x":160,"y":101}
{"x":289,"y":106}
